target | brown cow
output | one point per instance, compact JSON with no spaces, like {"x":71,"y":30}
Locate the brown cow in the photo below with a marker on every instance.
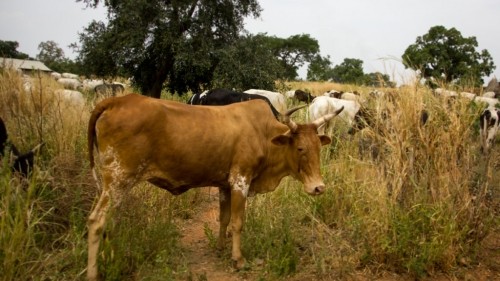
{"x":240,"y":148}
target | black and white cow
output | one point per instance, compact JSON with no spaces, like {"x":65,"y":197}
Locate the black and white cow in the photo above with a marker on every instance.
{"x":489,"y":122}
{"x":225,"y":97}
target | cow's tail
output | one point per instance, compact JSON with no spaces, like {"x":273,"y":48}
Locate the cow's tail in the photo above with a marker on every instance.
{"x":91,"y":137}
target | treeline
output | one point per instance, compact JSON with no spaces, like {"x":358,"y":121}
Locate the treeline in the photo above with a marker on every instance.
{"x":181,"y":47}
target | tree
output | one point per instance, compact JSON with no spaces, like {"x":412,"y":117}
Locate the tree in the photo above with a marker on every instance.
{"x":8,"y":49}
{"x":443,"y":54}
{"x":159,"y":41}
{"x":51,"y":55}
{"x":320,"y":69}
{"x":349,"y":71}
{"x":293,"y":51}
{"x":97,"y":52}
{"x":248,"y":64}
{"x":50,"y":52}
{"x":377,"y":79}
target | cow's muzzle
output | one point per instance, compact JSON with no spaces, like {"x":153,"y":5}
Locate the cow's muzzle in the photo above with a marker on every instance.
{"x":317,"y":190}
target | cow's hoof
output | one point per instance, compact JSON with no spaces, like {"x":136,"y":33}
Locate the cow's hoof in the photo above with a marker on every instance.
{"x":240,"y":263}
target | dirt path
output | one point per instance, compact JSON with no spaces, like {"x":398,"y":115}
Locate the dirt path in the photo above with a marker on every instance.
{"x":204,"y":262}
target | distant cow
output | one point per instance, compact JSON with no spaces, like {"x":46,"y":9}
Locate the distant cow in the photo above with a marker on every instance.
{"x":240,"y":148}
{"x":70,"y":83}
{"x":225,"y":97}
{"x":300,"y":96}
{"x":351,"y":114}
{"x":354,"y":96}
{"x":19,"y":162}
{"x":489,"y":122}
{"x":70,"y":97}
{"x":69,"y":75}
{"x":106,"y":89}
{"x":90,"y":84}
{"x":276,"y":99}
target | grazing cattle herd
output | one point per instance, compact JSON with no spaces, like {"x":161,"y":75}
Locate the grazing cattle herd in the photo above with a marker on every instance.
{"x":246,"y":143}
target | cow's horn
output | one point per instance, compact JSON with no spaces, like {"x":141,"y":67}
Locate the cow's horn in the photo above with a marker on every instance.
{"x":322,"y":120}
{"x":289,"y":122}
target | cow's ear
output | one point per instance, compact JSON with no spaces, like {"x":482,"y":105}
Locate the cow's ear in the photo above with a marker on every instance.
{"x":282,"y":140}
{"x":325,"y":139}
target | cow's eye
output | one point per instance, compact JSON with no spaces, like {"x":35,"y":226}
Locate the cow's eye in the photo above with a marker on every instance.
{"x":300,"y":149}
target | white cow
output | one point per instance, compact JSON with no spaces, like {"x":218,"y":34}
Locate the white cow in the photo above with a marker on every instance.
{"x":276,"y":99}
{"x":55,"y":75}
{"x":70,"y":83}
{"x":324,"y":105}
{"x":90,"y":84}
{"x":468,"y":95}
{"x":489,"y":94}
{"x":344,"y":95}
{"x":69,"y":75}
{"x":445,"y":93}
{"x":70,"y":97}
{"x":491,"y":102}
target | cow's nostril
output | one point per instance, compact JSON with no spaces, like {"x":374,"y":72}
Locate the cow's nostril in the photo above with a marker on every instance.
{"x":319,"y":189}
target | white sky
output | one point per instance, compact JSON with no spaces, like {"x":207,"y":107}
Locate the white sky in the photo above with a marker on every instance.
{"x":375,"y":31}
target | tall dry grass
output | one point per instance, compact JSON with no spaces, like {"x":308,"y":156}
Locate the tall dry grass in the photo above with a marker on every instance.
{"x":43,"y":218}
{"x":401,"y":196}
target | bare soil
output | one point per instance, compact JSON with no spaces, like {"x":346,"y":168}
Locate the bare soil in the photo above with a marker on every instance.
{"x":205,"y":263}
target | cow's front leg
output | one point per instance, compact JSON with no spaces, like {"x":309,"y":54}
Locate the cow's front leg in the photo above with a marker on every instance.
{"x":224,"y":215}
{"x":238,"y":200}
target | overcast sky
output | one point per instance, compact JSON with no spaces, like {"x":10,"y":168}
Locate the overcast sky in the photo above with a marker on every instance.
{"x":375,"y":31}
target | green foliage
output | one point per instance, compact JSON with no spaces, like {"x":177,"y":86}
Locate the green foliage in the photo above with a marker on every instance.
{"x":271,"y":238}
{"x":292,"y":52}
{"x":319,"y":69}
{"x":161,"y":41}
{"x":50,"y":52}
{"x":21,"y":217}
{"x":247,"y":64}
{"x":445,"y":55}
{"x":350,"y":71}
{"x":377,"y":79}
{"x":96,"y":53}
{"x":53,"y":57}
{"x":8,"y":49}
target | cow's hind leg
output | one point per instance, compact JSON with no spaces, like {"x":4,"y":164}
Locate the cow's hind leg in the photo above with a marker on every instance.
{"x":95,"y":224}
{"x":224,"y":215}
{"x":113,"y":187}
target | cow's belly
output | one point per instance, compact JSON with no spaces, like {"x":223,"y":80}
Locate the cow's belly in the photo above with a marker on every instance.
{"x":165,"y":184}
{"x":182,"y":183}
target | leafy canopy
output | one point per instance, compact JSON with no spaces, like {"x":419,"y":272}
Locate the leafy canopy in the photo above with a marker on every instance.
{"x":248,"y":64}
{"x":320,"y":69}
{"x":158,"y":42}
{"x":293,"y":52}
{"x":445,"y":55}
{"x":8,"y":49}
{"x":350,"y":71}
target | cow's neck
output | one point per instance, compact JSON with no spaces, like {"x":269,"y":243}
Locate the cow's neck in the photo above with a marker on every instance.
{"x":273,"y":170}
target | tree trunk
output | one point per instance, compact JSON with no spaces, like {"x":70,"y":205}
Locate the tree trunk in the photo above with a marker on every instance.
{"x":152,"y":75}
